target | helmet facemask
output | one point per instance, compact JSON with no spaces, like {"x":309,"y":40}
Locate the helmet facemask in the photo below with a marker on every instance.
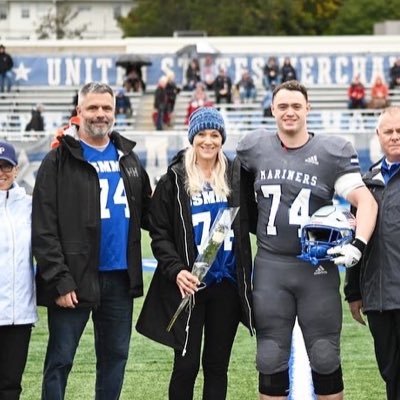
{"x":328,"y":227}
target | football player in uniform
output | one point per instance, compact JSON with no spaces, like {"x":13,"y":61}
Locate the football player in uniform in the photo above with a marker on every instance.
{"x":295,"y":173}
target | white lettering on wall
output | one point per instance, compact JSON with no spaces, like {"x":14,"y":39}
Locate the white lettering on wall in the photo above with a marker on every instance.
{"x":104,"y":64}
{"x":88,"y":70}
{"x":341,"y":64}
{"x":72,"y":71}
{"x":54,"y":71}
{"x":324,"y":71}
{"x":307,"y":64}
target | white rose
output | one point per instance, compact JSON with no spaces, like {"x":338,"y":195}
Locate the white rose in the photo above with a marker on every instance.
{"x":218,"y":237}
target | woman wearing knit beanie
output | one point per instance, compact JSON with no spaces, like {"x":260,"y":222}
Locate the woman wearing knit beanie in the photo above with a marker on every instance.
{"x":199,"y":182}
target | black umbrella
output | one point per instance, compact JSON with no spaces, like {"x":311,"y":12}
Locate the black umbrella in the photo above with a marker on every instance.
{"x":130,"y":60}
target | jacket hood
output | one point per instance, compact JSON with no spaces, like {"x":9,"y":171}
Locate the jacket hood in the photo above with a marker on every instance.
{"x":122,"y":143}
{"x":177,"y":162}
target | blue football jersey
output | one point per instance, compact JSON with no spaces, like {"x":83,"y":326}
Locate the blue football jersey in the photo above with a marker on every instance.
{"x":114,"y":207}
{"x":205,"y":207}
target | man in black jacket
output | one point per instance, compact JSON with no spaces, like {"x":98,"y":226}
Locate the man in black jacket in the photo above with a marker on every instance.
{"x":90,"y":201}
{"x":6,"y":64}
{"x":373,"y":286}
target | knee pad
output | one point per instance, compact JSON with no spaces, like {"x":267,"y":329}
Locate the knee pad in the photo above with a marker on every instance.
{"x":328,"y":384}
{"x":270,"y":357}
{"x":324,"y":356}
{"x":274,"y":384}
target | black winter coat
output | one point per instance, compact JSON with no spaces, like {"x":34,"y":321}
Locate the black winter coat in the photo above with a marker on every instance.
{"x":6,"y":63}
{"x":66,"y":221}
{"x":376,"y":278}
{"x":173,"y":247}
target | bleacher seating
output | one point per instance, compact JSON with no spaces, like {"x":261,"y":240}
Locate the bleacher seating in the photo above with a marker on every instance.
{"x":325,"y":116}
{"x":16,"y":107}
{"x":328,"y":103}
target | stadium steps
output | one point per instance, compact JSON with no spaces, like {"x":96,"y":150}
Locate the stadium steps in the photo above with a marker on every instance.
{"x":144,"y":112}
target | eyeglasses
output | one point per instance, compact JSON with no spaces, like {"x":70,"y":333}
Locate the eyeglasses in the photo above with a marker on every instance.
{"x":6,"y":167}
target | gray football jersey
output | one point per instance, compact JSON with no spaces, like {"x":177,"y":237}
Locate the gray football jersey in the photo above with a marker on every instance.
{"x":291,"y":184}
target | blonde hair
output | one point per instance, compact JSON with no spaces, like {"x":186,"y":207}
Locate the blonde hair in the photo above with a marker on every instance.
{"x":194,"y":182}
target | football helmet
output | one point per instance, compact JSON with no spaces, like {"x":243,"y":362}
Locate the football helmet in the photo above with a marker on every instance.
{"x":328,"y":227}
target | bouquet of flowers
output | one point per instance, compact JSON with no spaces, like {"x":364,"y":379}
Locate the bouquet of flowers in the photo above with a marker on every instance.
{"x":208,"y":252}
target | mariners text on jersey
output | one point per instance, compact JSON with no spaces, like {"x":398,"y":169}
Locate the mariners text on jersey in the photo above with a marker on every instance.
{"x":289,"y":175}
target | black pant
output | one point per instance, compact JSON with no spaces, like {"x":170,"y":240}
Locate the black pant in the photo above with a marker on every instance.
{"x":217,"y":309}
{"x":385,"y":329}
{"x":14,"y":343}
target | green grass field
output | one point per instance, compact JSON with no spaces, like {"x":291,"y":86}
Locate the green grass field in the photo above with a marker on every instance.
{"x":149,"y":365}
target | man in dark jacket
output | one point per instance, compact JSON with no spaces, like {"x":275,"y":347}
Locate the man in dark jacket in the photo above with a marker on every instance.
{"x":223,"y":87}
{"x":6,"y":64}
{"x":373,"y":286}
{"x":160,"y":113}
{"x":90,"y":201}
{"x":36,"y":123}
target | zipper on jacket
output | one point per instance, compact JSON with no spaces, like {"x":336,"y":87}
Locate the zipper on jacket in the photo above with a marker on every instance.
{"x":191,"y":300}
{"x":249,"y":313}
{"x":380,"y":269}
{"x":13,"y":254}
{"x":97,"y":287}
{"x":181,"y":216}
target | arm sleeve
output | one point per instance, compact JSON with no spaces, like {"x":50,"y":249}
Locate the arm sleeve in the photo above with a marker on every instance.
{"x":248,"y":199}
{"x":348,"y":182}
{"x":146,"y":199}
{"x":352,"y":291}
{"x":46,"y":244}
{"x":163,"y":243}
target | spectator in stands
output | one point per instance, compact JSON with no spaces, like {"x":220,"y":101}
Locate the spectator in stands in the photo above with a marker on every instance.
{"x":36,"y":122}
{"x":199,"y":99}
{"x":223,"y":86}
{"x":160,"y":113}
{"x":172,"y":90}
{"x":192,"y":74}
{"x":133,"y":81}
{"x":288,"y":72}
{"x":247,"y":88}
{"x":209,"y":72}
{"x":123,"y":107}
{"x":74,"y":104}
{"x":394,"y":74}
{"x":17,"y":276}
{"x":267,"y":101}
{"x":6,"y":64}
{"x":271,"y":73}
{"x":379,"y":94}
{"x":356,"y":94}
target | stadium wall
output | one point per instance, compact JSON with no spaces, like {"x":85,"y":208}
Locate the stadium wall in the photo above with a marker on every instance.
{"x":332,"y":60}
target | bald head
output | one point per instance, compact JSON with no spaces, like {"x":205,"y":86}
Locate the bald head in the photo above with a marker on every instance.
{"x":389,"y":112}
{"x":388,"y":131}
